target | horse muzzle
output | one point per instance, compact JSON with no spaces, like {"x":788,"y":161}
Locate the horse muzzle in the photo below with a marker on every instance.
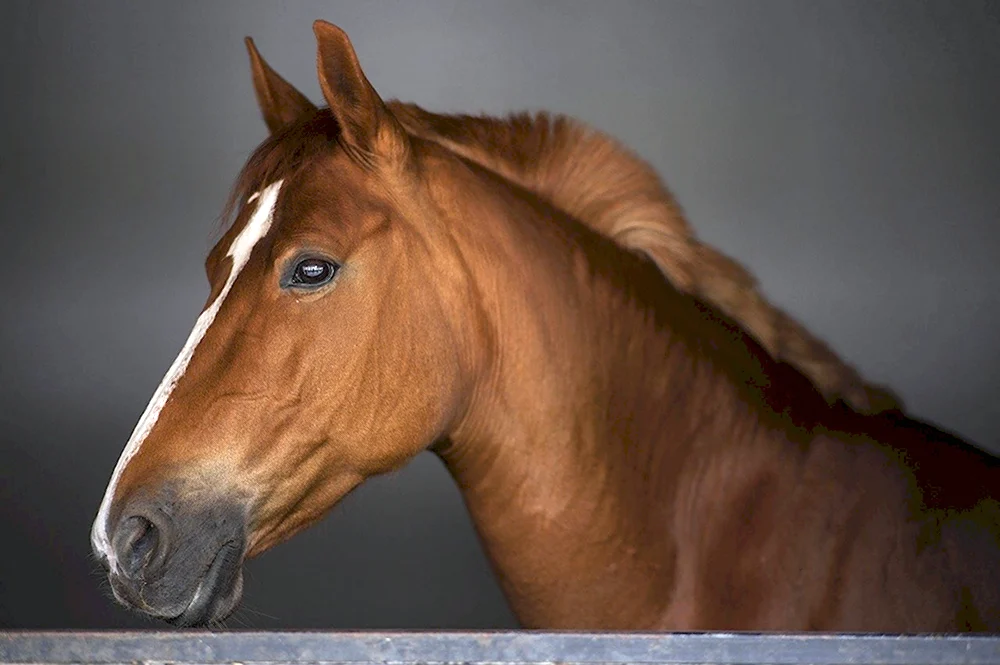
{"x":178,"y":562}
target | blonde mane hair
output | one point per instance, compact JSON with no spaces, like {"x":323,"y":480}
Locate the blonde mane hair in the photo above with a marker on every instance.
{"x":604,"y":185}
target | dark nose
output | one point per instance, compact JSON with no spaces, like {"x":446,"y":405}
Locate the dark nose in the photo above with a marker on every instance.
{"x":140,"y":542}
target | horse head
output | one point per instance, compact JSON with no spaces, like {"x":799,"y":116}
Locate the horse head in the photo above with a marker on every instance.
{"x":332,"y":347}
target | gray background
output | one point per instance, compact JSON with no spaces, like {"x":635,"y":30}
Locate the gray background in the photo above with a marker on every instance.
{"x":848,"y":152}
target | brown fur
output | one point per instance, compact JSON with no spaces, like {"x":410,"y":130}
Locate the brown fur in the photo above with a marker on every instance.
{"x":636,"y":453}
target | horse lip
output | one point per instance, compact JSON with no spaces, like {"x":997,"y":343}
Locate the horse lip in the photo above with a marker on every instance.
{"x":203,"y":602}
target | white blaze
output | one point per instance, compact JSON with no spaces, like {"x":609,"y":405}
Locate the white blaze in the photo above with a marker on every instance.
{"x":255,"y":229}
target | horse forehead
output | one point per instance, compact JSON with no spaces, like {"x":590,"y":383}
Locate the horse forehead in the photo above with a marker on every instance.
{"x":329,"y":200}
{"x":246,"y":227}
{"x":258,"y":224}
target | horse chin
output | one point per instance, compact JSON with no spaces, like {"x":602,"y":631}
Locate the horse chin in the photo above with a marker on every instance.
{"x":218,"y":592}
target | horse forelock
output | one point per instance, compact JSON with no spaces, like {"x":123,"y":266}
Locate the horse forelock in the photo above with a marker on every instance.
{"x":280,"y":156}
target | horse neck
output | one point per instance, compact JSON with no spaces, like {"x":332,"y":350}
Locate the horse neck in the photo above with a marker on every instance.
{"x":595,"y":398}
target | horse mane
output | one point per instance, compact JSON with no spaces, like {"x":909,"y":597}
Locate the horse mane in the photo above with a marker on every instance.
{"x":604,"y":185}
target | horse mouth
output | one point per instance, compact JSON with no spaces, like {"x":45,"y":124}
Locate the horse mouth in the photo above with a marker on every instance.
{"x":219,"y":590}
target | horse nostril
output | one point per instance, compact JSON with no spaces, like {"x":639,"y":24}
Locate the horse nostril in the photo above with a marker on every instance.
{"x":139,"y":540}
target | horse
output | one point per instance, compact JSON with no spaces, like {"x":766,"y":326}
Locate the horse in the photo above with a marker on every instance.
{"x":643,"y":441}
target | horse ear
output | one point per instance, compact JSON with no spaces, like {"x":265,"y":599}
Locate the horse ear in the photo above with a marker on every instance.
{"x":280,"y":103}
{"x":367,"y":126}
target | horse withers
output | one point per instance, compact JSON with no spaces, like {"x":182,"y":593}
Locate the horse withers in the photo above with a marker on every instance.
{"x":643,"y":441}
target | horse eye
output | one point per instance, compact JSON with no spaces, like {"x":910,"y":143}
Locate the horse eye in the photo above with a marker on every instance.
{"x":313,"y":272}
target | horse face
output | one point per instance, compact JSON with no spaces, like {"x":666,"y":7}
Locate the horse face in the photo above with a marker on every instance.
{"x":325,"y":354}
